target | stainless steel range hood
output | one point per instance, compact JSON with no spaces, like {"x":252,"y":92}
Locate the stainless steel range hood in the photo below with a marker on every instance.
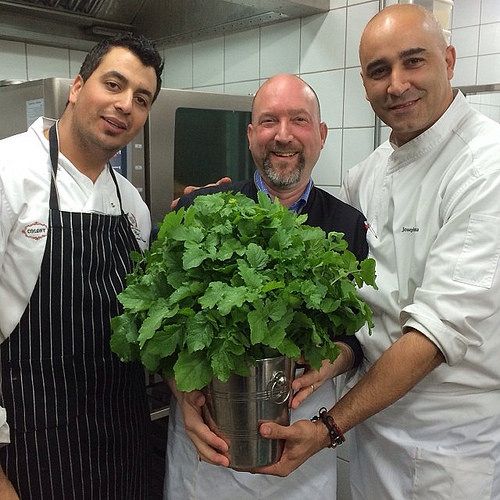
{"x":80,"y":23}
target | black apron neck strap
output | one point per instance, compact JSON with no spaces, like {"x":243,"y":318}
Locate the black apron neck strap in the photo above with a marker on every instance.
{"x":54,"y":159}
{"x":113,"y":176}
{"x":54,"y":155}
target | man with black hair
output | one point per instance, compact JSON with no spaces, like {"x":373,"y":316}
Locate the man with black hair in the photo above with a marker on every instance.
{"x":78,"y":416}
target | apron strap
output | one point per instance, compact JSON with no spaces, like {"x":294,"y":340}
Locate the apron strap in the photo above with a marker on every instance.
{"x":54,"y":155}
{"x":54,"y":158}
{"x":113,"y":176}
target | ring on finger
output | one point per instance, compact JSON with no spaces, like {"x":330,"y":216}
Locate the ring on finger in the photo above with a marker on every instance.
{"x":312,"y":387}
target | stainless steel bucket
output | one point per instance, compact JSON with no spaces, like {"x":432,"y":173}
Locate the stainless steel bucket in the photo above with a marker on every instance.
{"x":235,"y":409}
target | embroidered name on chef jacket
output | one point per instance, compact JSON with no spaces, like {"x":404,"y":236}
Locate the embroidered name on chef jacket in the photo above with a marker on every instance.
{"x":410,"y":229}
{"x":35,"y":230}
{"x":135,"y":228}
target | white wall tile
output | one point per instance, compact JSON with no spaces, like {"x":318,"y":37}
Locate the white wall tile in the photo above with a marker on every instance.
{"x":322,"y":44}
{"x":335,"y":4}
{"x":12,"y":60}
{"x":489,"y":39}
{"x":357,"y":145}
{"x":47,"y":62}
{"x":241,"y":56}
{"x":490,"y":11}
{"x":488,"y":69}
{"x":488,"y":111}
{"x":465,"y":13}
{"x":76,"y":58}
{"x":242,"y":88}
{"x":329,"y":87}
{"x":465,"y":72}
{"x":333,"y":190}
{"x":328,"y":170}
{"x":355,"y":2}
{"x":385,"y":132}
{"x":208,"y":62}
{"x":279,"y":48}
{"x":465,"y":40}
{"x":357,"y":110}
{"x":178,"y":69}
{"x":218,"y":89}
{"x":492,"y":99}
{"x":357,"y":17}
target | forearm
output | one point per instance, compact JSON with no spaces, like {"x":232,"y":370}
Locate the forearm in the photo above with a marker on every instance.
{"x":399,"y":369}
{"x":312,"y":379}
{"x":345,"y":360}
{"x":7,"y":491}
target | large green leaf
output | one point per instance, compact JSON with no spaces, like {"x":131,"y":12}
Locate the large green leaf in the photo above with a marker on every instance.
{"x":157,"y":313}
{"x":137,"y":298}
{"x":199,"y":333}
{"x":192,"y":371}
{"x":124,"y":337}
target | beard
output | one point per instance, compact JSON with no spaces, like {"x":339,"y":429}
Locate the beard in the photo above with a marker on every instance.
{"x":283,"y":179}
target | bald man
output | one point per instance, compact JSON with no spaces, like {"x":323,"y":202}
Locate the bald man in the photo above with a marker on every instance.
{"x":426,"y":407}
{"x":285,"y":137}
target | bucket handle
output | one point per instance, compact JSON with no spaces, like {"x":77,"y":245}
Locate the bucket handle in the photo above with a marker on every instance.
{"x":277,"y":388}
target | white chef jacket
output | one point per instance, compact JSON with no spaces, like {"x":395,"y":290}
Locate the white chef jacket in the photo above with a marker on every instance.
{"x":25,"y":173}
{"x":433,"y":210}
{"x":189,"y":478}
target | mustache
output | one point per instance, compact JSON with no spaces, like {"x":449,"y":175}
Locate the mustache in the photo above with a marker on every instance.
{"x":404,"y":99}
{"x":283,"y":179}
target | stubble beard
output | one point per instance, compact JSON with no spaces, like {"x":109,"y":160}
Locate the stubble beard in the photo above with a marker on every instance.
{"x":283,"y":179}
{"x":89,"y":138}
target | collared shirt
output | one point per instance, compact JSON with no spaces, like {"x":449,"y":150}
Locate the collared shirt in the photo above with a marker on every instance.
{"x":295,"y":207}
{"x":25,"y":173}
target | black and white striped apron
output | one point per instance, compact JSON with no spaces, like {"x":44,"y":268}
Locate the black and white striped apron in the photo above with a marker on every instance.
{"x":78,"y":416}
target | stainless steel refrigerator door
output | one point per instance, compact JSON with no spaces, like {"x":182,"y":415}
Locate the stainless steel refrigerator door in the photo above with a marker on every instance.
{"x":22,"y":103}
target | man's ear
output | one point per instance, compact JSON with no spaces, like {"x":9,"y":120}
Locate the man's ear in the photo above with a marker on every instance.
{"x":323,"y":130}
{"x":75,"y":89}
{"x":451,"y":58}
{"x":249,"y":134}
{"x":364,"y":86}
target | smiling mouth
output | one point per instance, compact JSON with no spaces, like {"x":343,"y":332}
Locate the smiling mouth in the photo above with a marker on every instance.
{"x":115,"y":123}
{"x":284,"y":154}
{"x":403,"y":106}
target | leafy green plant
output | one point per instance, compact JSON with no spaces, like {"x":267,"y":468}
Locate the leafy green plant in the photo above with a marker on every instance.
{"x":229,"y":281}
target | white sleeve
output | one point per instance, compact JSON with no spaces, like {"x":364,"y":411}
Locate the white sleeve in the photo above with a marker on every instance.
{"x":4,"y":428}
{"x":456,"y":305}
{"x":6,"y":218}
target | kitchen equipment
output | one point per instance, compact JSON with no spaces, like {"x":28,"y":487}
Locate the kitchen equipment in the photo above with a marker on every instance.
{"x":189,"y":138}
